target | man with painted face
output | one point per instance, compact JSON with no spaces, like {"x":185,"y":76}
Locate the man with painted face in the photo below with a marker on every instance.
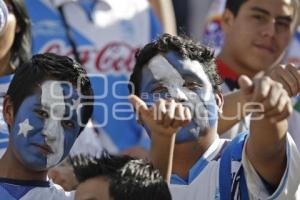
{"x":178,"y":86}
{"x":45,"y":110}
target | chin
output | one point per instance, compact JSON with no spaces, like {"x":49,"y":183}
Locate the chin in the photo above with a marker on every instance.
{"x":259,"y":66}
{"x":262,"y":62}
{"x":34,"y":163}
{"x":35,"y":166}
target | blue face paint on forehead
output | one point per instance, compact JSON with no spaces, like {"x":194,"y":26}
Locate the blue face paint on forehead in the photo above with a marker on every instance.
{"x":188,"y":69}
{"x":171,"y":76}
{"x":43,"y":131}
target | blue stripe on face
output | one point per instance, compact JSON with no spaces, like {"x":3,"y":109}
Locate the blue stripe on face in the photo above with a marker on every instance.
{"x":201,"y":100}
{"x":71,"y":134}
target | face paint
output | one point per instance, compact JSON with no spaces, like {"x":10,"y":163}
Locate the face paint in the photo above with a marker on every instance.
{"x":171,"y":76}
{"x":46,"y":125}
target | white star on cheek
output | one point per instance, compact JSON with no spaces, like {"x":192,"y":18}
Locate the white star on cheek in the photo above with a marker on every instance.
{"x":25,"y":127}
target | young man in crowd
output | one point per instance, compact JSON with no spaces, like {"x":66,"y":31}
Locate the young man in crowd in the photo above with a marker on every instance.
{"x":47,"y":105}
{"x":178,"y":79}
{"x":256,"y":36}
{"x":118,"y":178}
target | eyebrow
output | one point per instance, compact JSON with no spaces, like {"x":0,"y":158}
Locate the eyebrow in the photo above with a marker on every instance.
{"x":263,"y":11}
{"x":192,"y":78}
{"x":153,"y":83}
{"x":285,"y":18}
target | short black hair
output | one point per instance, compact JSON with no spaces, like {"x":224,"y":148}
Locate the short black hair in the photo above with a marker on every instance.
{"x":184,"y":47}
{"x":46,"y":66}
{"x":234,"y":5}
{"x":129,"y":178}
{"x":21,"y":49}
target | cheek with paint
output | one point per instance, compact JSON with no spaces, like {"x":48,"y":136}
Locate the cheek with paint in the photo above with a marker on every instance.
{"x":71,"y":124}
{"x":27,"y":135}
{"x":62,"y":128}
{"x":204,"y":116}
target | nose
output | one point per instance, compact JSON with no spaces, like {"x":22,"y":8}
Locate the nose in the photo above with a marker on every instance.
{"x":179,"y":95}
{"x":269,"y":30}
{"x":50,"y":130}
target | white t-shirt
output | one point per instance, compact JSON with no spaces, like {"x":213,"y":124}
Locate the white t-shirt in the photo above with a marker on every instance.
{"x":203,"y":180}
{"x":32,"y":190}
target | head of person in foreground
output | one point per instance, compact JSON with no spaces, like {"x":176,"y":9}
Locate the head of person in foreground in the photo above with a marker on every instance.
{"x":118,"y":178}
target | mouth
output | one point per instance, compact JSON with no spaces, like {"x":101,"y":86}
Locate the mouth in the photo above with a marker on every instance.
{"x":268,"y":48}
{"x":45,"y":149}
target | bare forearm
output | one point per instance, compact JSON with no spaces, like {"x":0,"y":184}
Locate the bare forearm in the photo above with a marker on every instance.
{"x":162,"y":154}
{"x":266,"y":149}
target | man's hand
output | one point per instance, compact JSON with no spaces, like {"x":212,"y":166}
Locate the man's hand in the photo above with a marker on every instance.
{"x":63,"y":176}
{"x":165,"y":117}
{"x":270,"y":95}
{"x":288,"y":76}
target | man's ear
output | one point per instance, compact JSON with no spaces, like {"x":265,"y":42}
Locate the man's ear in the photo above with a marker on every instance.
{"x":220,"y":101}
{"x":8,"y":111}
{"x":18,"y":29}
{"x":227,"y":21}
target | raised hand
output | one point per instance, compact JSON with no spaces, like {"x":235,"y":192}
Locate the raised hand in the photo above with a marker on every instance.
{"x":288,"y":76}
{"x":269,"y":95}
{"x":165,"y":117}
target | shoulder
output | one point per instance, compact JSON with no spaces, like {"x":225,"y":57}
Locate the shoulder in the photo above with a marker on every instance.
{"x":52,"y":192}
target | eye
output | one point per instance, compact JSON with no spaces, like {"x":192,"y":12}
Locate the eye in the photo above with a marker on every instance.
{"x":159,"y":89}
{"x":193,"y":85}
{"x":260,"y":18}
{"x":68,"y":124}
{"x":42,"y":114}
{"x":282,"y":26}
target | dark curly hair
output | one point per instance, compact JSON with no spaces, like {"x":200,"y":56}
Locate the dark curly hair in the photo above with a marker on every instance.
{"x":185,"y":48}
{"x":129,"y":178}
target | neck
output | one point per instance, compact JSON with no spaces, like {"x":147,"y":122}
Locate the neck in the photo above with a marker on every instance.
{"x":187,"y":154}
{"x":239,"y":68}
{"x":12,"y":168}
{"x":6,"y":66}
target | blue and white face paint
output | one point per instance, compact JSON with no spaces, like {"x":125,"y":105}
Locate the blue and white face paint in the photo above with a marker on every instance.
{"x":46,"y":125}
{"x":171,"y":76}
